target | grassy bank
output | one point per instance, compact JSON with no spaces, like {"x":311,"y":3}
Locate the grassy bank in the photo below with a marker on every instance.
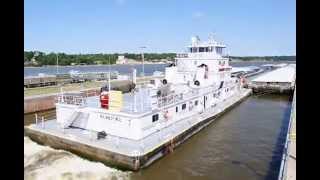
{"x":75,"y":86}
{"x":66,"y":87}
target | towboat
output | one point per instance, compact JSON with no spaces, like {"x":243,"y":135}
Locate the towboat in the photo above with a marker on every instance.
{"x":132,"y":130}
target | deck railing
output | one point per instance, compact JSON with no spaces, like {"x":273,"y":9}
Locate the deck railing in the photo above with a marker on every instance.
{"x":182,"y":55}
{"x":285,"y":154}
{"x":174,"y":97}
{"x":65,"y":98}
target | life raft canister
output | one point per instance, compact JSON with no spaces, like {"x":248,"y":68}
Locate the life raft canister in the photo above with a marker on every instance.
{"x":104,"y":100}
{"x":206,"y":72}
{"x":166,"y":115}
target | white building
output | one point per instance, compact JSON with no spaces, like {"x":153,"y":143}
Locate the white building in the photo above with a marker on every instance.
{"x":121,"y":60}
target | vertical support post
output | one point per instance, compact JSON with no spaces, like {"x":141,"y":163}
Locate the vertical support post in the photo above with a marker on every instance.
{"x":36,"y":118}
{"x":57,"y":64}
{"x":42,"y":119}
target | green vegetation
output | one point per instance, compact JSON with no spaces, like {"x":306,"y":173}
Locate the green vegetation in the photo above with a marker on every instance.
{"x":69,"y":59}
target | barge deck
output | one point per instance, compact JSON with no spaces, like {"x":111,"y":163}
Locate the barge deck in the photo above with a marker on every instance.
{"x":125,"y":153}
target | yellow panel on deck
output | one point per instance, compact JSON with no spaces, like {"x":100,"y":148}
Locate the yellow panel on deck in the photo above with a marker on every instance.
{"x":115,"y":100}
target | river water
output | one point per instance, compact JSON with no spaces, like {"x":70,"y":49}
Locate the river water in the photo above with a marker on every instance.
{"x":122,"y":69}
{"x":245,"y":143}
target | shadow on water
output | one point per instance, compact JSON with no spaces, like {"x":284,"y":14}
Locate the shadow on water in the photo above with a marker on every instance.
{"x":274,"y":165}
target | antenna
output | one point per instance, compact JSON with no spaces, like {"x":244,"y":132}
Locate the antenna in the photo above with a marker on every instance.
{"x":142,"y":55}
{"x":211,"y":37}
{"x":109,"y":84}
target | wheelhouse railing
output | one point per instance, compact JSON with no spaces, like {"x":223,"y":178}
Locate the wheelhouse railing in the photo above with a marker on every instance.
{"x":177,"y":97}
{"x":182,"y":55}
{"x":78,"y":99}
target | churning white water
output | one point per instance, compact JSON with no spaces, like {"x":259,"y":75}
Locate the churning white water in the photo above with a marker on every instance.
{"x":42,"y":162}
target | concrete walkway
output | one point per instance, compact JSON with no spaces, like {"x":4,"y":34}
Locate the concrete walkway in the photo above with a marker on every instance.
{"x":291,"y":167}
{"x":288,"y":164}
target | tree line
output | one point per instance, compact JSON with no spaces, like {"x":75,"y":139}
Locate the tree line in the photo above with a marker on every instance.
{"x":41,"y":58}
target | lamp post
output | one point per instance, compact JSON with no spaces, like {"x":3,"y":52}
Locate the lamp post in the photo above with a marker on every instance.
{"x":142,"y":55}
{"x":57,"y":63}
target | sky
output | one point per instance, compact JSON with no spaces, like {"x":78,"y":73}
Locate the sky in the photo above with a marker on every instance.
{"x":247,"y":27}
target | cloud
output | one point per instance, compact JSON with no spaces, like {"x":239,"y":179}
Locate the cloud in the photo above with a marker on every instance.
{"x":120,"y":2}
{"x":198,"y":14}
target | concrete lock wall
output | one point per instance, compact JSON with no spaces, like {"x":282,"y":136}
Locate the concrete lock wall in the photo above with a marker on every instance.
{"x":46,"y":102}
{"x":39,"y":104}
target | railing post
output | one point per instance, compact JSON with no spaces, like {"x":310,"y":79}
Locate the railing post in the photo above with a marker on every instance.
{"x":42,"y":119}
{"x":36,"y":118}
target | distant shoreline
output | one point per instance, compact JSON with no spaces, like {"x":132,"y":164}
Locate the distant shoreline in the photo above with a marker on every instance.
{"x":146,"y":63}
{"x":92,"y":65}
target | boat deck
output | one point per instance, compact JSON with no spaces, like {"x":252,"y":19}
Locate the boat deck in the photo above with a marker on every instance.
{"x":132,"y":147}
{"x":141,"y":105}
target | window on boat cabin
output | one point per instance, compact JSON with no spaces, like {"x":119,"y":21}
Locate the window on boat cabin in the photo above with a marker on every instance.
{"x":201,"y":49}
{"x":219,"y":50}
{"x":155,"y":117}
{"x":184,"y":106}
{"x":210,"y":49}
{"x":206,"y":49}
{"x":196,"y":103}
{"x":193,"y":50}
{"x":177,"y":109}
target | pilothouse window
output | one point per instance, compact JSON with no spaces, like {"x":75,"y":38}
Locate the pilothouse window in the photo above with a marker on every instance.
{"x":219,"y":50}
{"x":193,"y":50}
{"x":155,"y":117}
{"x":184,"y":106}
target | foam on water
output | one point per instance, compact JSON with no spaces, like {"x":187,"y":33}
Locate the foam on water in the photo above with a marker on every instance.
{"x":42,"y":162}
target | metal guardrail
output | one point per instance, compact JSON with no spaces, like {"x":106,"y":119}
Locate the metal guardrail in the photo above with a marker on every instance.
{"x":285,"y":155}
{"x":174,"y":98}
{"x":66,"y":98}
{"x":182,"y":55}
